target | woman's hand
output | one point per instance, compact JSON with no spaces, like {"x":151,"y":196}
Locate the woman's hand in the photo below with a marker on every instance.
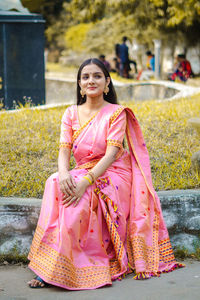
{"x":80,"y":189}
{"x":67,"y":183}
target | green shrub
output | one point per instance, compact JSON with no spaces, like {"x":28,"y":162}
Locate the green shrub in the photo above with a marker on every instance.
{"x":76,"y":35}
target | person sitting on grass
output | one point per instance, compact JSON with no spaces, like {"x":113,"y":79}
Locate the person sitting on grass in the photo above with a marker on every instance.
{"x":150,"y":65}
{"x":183,"y":70}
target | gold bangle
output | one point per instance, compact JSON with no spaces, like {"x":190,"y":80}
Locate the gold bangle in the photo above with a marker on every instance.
{"x":90,"y":182}
{"x":91,"y":174}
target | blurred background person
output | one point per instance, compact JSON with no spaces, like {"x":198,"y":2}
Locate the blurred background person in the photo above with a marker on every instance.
{"x":124,"y":59}
{"x":183,"y":69}
{"x":105,"y":62}
{"x":150,"y":67}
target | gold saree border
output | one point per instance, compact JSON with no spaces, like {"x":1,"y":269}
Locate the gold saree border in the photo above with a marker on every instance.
{"x":60,"y":270}
{"x":111,"y":225}
{"x":112,"y":119}
{"x":116,"y":114}
{"x":160,"y":251}
{"x":65,"y":145}
{"x":114,"y":143}
{"x":88,"y":165}
{"x":77,"y":132}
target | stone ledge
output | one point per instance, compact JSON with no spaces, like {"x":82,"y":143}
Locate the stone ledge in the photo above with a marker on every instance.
{"x":10,"y":201}
{"x":181,"y":211}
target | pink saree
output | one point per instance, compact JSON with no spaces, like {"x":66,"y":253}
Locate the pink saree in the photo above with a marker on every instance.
{"x":117,"y":226}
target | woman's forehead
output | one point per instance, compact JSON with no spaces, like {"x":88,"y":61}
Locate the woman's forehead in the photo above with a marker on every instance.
{"x":91,"y":68}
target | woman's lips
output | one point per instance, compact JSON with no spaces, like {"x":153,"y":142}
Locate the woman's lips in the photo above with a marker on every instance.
{"x":92,"y":88}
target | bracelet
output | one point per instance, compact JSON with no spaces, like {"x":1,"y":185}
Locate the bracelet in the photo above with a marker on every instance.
{"x":90,"y":182}
{"x":91,"y":174}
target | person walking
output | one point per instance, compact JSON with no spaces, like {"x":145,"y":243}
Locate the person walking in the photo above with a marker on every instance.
{"x":124,"y":58}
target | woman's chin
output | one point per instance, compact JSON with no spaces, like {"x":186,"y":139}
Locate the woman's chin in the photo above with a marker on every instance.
{"x":94,"y":94}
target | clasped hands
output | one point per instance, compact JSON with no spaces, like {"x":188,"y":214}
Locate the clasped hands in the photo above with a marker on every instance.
{"x":72,"y":191}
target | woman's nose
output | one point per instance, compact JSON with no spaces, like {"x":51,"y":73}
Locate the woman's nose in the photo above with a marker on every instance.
{"x":91,"y":79}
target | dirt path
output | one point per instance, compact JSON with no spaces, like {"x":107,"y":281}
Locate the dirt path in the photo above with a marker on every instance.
{"x":182,"y":284}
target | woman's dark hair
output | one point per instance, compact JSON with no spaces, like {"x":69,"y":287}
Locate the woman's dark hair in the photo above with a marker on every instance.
{"x":111,"y":97}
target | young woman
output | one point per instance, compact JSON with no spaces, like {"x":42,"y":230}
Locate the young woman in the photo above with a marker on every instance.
{"x":103,"y":218}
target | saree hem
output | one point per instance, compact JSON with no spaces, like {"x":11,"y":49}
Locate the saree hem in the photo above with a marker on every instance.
{"x":52,"y":282}
{"x":148,"y":275}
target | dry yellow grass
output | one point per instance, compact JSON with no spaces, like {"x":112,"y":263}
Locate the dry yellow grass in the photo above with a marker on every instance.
{"x":30,"y":140}
{"x":170,"y":141}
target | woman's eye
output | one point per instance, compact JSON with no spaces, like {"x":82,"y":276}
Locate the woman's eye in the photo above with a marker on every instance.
{"x":97,"y":76}
{"x":85,"y":77}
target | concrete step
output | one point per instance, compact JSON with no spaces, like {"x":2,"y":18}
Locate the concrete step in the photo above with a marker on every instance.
{"x":181,"y":211}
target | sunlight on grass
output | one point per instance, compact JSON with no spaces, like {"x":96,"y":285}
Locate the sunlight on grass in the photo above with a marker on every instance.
{"x":30,"y":141}
{"x":55,"y":67}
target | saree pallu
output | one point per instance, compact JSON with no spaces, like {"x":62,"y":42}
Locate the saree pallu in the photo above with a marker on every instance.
{"x":118,"y":226}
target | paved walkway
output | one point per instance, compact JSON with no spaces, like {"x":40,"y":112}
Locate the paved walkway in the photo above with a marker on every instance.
{"x":182,"y":284}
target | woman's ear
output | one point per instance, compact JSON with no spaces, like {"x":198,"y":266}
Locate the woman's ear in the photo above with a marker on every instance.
{"x":107,"y":80}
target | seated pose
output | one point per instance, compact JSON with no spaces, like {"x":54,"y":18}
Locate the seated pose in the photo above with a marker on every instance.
{"x":102,"y":219}
{"x":150,"y":65}
{"x":183,"y":69}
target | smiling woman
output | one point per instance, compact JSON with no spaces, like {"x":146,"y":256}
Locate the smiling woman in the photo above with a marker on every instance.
{"x":102,"y":219}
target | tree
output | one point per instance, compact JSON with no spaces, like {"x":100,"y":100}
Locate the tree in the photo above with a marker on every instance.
{"x":87,"y":10}
{"x":55,"y":16}
{"x":50,"y":9}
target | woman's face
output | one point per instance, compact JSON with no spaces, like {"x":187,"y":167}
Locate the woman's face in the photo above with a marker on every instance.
{"x":93,"y":81}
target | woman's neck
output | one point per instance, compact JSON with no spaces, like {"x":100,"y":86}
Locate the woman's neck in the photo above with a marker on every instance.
{"x":94,"y":103}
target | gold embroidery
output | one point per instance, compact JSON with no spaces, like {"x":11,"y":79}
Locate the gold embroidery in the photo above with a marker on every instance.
{"x":76,"y":133}
{"x":52,"y":236}
{"x":66,"y":145}
{"x":114,"y":267}
{"x":137,"y":249}
{"x":114,"y":143}
{"x":166,"y":251}
{"x":116,"y":114}
{"x":88,"y":165}
{"x":60,"y":270}
{"x":111,"y":224}
{"x":117,"y":144}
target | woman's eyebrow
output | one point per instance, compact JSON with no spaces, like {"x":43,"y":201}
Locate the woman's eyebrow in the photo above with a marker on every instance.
{"x":92,"y":73}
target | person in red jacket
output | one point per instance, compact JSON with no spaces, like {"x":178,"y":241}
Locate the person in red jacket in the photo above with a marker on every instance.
{"x":183,"y":70}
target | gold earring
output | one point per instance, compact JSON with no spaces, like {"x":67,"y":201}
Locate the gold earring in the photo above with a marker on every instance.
{"x":82,"y":93}
{"x":106,"y":90}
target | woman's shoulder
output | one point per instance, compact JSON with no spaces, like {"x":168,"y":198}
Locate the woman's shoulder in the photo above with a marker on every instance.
{"x":115,"y":110}
{"x":71,"y":109}
{"x":69,"y":112}
{"x":116,"y":107}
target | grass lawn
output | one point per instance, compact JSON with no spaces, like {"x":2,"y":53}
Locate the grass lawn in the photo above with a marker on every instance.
{"x":30,"y":141}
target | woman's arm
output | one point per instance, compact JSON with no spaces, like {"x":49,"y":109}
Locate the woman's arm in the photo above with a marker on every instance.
{"x":67,"y":184}
{"x":116,"y":132}
{"x":106,"y":161}
{"x":98,"y":170}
